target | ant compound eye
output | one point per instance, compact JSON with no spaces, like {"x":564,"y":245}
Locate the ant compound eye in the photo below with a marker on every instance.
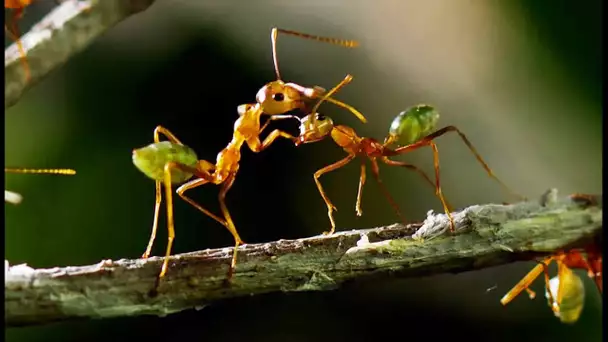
{"x":321,"y":117}
{"x":278,"y":97}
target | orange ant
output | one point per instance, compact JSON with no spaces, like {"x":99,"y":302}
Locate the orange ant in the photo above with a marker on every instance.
{"x":172,"y":162}
{"x":15,"y":198}
{"x":566,"y":291}
{"x":411,"y":130}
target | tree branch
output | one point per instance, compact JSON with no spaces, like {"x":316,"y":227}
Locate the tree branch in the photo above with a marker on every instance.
{"x":67,"y":30}
{"x":487,"y":235}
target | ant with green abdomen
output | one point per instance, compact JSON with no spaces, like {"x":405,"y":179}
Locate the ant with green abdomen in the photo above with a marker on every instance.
{"x":410,"y":130}
{"x":565,"y":292}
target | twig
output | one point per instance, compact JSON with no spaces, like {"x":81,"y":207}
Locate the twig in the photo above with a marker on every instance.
{"x":487,"y":235}
{"x":67,"y":30}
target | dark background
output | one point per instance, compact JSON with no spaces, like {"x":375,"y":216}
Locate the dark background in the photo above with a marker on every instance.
{"x":522,"y":79}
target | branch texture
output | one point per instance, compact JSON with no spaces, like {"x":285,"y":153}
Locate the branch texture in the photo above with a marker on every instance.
{"x":487,"y":235}
{"x":65,"y":31}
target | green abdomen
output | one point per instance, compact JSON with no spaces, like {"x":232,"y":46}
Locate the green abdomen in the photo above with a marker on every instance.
{"x":151,"y":160}
{"x":413,"y":124}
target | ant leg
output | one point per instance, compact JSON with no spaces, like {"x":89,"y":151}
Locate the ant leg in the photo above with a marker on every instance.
{"x":523,"y":284}
{"x":562,"y":272}
{"x":360,"y":190}
{"x":170,"y":221}
{"x":330,"y":207}
{"x":391,"y":200}
{"x":438,"y":186}
{"x":414,"y":168}
{"x":489,"y":171}
{"x":255,"y":145}
{"x":157,"y":203}
{"x":169,"y":204}
{"x":162,"y":130}
{"x":13,"y":32}
{"x":277,"y":117}
{"x":594,"y":259}
{"x":230,"y":224}
{"x":204,"y":176}
{"x":191,"y":185}
{"x":531,"y":293}
{"x":553,"y":302}
{"x":428,"y":141}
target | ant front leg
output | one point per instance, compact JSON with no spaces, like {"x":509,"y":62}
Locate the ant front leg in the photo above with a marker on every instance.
{"x":162,"y":130}
{"x":256,"y":146}
{"x":277,"y":117}
{"x":416,"y":169}
{"x":330,"y":207}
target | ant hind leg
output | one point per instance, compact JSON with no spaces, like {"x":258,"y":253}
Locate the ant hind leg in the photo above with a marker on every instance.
{"x":157,"y":203}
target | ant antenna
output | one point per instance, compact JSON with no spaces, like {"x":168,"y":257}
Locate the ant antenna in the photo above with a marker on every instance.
{"x":273,"y":39}
{"x":68,"y":172}
{"x":344,"y":82}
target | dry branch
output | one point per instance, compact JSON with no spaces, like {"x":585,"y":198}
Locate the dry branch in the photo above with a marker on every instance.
{"x":487,"y":235}
{"x":67,"y":30}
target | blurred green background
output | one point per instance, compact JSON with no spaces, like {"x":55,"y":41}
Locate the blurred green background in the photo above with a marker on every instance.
{"x":522,"y":79}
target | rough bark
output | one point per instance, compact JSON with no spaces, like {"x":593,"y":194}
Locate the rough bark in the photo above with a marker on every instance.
{"x":486,"y":235}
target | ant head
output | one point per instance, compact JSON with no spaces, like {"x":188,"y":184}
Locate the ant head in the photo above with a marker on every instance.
{"x":278,"y":97}
{"x":315,"y":130}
